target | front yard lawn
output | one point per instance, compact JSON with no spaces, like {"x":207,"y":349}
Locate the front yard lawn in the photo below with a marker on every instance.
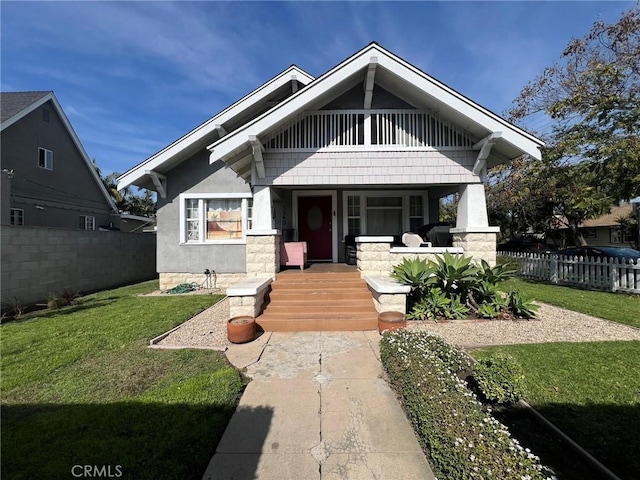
{"x":617,"y":307}
{"x":80,"y":387}
{"x":591,"y":391}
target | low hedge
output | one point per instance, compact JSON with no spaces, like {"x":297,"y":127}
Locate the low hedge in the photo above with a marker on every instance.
{"x":500,"y":379}
{"x":460,"y":439}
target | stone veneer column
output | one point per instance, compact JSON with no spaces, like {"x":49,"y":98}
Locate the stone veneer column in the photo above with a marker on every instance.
{"x":472,"y":231}
{"x":373,"y":254}
{"x":478,"y":243}
{"x":263,"y":252}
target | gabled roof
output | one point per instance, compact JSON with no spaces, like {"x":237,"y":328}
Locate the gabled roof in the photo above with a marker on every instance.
{"x":403,"y":80}
{"x":609,"y":219}
{"x":216,"y":127}
{"x":16,"y":105}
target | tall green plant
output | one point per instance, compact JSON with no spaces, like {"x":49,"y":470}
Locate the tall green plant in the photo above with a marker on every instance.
{"x":456,"y":275}
{"x":418,"y":274}
{"x":453,"y":285}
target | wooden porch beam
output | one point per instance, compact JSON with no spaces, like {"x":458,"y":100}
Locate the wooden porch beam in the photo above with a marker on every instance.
{"x":369,"y":82}
{"x":258,"y":148}
{"x":484,"y":146}
{"x":294,"y":84}
{"x":159,"y":181}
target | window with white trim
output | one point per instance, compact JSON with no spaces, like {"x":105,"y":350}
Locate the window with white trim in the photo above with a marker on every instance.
{"x":45,"y":158}
{"x":214,"y":218}
{"x":615,"y":235}
{"x":383,"y":213}
{"x":17,"y":216}
{"x":353,"y":215}
{"x":87,"y":222}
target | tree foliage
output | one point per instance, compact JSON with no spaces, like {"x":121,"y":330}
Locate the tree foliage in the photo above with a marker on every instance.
{"x":592,"y":158}
{"x":142,"y":203}
{"x":593,"y":96}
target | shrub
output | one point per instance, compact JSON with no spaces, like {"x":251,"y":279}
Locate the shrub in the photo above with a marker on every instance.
{"x":453,"y":286}
{"x":460,"y":439}
{"x":500,"y":379}
{"x":521,"y":306}
{"x":53,"y":301}
{"x":416,"y":273}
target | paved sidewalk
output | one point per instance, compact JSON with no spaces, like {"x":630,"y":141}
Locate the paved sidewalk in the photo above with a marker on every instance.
{"x":316,"y":408}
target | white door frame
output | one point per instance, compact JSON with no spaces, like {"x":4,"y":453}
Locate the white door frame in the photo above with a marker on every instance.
{"x":334,"y":214}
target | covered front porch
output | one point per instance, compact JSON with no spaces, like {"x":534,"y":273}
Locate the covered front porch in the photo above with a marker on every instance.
{"x":336,"y":222}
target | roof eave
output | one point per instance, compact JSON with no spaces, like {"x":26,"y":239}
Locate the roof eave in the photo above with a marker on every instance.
{"x":524,"y":142}
{"x":169,"y":153}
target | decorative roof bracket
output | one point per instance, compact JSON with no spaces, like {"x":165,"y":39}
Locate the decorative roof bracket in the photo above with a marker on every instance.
{"x":258,"y":148}
{"x":369,"y":82}
{"x":160,"y":182}
{"x":220,"y":129}
{"x":484,"y":146}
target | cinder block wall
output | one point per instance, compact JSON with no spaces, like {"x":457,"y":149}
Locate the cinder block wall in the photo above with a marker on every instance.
{"x":40,"y":260}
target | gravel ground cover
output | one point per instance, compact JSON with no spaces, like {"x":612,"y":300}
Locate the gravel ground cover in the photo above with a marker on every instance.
{"x":553,"y":324}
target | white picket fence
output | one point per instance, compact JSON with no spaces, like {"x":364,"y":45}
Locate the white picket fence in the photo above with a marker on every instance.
{"x":616,"y":275}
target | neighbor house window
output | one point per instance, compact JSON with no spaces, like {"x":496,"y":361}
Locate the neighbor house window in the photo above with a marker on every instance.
{"x":616,"y":235}
{"x":45,"y":158}
{"x":214,"y":218}
{"x":87,"y":222}
{"x":17,"y":216}
{"x":383,"y":213}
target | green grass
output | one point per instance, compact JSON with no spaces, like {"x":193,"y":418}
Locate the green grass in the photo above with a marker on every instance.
{"x":591,"y":391}
{"x":80,"y":387}
{"x":617,"y":307}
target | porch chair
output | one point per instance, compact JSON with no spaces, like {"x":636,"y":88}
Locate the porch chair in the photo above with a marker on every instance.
{"x":293,"y":253}
{"x":412,"y":239}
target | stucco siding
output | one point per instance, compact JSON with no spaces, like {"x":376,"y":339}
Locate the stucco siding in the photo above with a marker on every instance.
{"x":369,"y":168}
{"x":196,"y":175}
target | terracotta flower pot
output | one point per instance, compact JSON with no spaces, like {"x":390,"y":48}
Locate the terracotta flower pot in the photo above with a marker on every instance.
{"x":241,"y":329}
{"x":391,"y":321}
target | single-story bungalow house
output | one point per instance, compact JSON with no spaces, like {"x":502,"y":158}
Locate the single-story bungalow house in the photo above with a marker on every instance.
{"x":364,"y":151}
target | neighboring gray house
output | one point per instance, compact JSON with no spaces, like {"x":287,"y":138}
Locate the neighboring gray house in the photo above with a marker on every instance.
{"x":366,"y":149}
{"x":47,"y":178}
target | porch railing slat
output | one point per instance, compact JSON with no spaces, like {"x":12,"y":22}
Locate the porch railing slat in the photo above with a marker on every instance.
{"x":342,"y":128}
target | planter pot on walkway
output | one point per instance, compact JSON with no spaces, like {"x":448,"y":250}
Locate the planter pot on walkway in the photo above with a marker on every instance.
{"x":391,"y":321}
{"x":241,"y":329}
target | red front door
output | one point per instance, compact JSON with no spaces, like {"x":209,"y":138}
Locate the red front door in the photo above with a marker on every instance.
{"x":314,"y":225}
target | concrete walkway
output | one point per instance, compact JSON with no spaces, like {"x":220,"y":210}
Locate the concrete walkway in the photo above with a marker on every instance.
{"x":316,"y":408}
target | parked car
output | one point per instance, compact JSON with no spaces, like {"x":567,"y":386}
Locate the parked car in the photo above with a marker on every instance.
{"x":602,"y":252}
{"x":526,"y":244}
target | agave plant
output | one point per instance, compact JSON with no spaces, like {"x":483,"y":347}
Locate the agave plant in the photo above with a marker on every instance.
{"x":455,"y":274}
{"x":496,"y":274}
{"x":521,"y":306}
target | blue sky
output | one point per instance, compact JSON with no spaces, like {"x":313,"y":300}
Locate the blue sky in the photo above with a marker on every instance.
{"x":134,"y":76}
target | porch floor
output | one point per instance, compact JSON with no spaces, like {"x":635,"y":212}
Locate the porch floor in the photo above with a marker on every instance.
{"x":322,"y":297}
